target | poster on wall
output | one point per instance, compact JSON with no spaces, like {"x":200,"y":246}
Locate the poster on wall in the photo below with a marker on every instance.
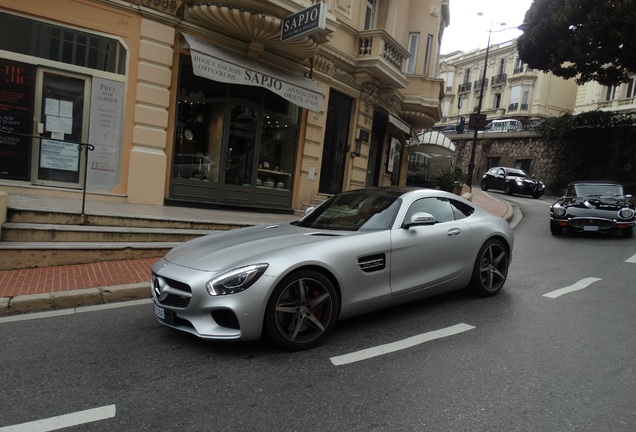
{"x":16,"y":111}
{"x":107,"y":101}
{"x":59,"y":155}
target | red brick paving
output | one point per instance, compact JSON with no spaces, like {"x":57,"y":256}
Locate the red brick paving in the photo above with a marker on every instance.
{"x":74,"y":277}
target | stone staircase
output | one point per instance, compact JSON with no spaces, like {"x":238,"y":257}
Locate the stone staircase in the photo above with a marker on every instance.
{"x":33,"y":238}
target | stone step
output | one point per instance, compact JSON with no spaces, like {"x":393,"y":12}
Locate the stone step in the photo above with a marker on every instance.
{"x":21,"y":255}
{"x":69,"y":218}
{"x":47,"y":232}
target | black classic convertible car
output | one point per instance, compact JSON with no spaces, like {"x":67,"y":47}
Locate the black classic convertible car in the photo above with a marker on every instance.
{"x":593,"y":206}
{"x":512,"y":180}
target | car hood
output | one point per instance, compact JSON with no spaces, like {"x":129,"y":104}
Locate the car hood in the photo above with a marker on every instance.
{"x":600,"y":203}
{"x":223,"y":250}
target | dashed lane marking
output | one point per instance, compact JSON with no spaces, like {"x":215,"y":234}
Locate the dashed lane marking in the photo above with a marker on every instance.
{"x":399,"y":345}
{"x":584,"y":283}
{"x":631,"y":260}
{"x":64,"y":421}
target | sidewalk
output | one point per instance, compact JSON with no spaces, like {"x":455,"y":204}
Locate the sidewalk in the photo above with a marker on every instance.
{"x":40,"y":289}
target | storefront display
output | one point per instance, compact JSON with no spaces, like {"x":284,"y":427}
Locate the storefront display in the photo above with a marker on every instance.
{"x":234,"y":144}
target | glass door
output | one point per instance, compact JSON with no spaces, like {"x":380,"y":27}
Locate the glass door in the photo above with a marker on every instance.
{"x":62,"y":110}
{"x":239,"y":155}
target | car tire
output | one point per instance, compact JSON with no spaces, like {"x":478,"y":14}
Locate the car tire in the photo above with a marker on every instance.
{"x":536,"y":196}
{"x":508,"y":189}
{"x":301,"y":311}
{"x":484,"y":185}
{"x":491,"y":268}
{"x":628,"y":232}
{"x":555,"y":229}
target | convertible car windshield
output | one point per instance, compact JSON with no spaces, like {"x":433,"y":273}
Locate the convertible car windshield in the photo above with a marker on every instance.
{"x":353,"y":212}
{"x":598,"y":190}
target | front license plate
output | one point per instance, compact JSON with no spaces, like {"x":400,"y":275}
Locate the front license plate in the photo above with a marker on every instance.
{"x":160,"y":312}
{"x":590,"y":228}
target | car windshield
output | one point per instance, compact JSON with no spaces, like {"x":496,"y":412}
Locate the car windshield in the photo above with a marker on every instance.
{"x":598,"y":190}
{"x":517,"y":173}
{"x":353,"y":212}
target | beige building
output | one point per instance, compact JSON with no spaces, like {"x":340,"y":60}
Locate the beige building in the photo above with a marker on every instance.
{"x":261,"y":104}
{"x":511,"y":89}
{"x":620,"y":98}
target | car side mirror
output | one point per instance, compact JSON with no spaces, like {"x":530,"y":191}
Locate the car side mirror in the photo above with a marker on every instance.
{"x":419,"y":218}
{"x":309,"y":210}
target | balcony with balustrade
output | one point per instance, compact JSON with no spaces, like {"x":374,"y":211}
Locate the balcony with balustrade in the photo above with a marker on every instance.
{"x":383,"y":57}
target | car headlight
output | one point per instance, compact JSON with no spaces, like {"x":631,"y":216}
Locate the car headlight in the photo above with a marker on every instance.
{"x":626,"y":213}
{"x":559,"y":211}
{"x":236,"y":280}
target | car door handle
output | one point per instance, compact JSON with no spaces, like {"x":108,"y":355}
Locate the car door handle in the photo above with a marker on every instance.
{"x":454,"y":231}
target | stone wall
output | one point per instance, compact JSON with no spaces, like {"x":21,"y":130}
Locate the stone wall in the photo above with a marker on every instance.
{"x":509,"y":147}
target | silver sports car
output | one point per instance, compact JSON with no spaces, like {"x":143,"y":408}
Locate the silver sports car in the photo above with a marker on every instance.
{"x":357,"y":252}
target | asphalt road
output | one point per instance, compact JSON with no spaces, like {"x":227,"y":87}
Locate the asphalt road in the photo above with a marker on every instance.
{"x":520,"y":361}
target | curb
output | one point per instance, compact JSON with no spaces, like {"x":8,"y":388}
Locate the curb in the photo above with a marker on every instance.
{"x":70,"y":299}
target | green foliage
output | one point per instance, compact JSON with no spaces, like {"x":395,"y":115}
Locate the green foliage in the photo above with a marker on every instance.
{"x":590,"y":40}
{"x":595,"y":145}
{"x":449,"y":177}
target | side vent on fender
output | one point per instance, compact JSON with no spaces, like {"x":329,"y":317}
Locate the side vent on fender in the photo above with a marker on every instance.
{"x":372,"y":263}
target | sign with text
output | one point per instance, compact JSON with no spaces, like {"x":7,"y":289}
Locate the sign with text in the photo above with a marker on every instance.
{"x":215,"y":63}
{"x":304,"y":23}
{"x":107,"y":105}
{"x":17,"y":82}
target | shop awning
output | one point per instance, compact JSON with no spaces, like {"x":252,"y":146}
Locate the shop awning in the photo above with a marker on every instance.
{"x":218,"y":64}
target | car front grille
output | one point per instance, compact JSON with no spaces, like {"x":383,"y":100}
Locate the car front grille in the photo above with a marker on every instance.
{"x":179,"y":294}
{"x":602,"y":224}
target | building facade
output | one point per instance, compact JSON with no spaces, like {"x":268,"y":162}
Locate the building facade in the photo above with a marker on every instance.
{"x":618,"y":98}
{"x":249,"y":103}
{"x":511,"y":89}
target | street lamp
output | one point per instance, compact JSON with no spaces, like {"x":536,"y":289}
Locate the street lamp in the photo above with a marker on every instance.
{"x":471,"y":164}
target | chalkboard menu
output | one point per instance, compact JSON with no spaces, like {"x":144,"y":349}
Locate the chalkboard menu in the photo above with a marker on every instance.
{"x":17,"y":81}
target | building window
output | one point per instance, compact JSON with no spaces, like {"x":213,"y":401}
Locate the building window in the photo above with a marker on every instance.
{"x":515,"y":96}
{"x":610,"y":93}
{"x":370,"y":15}
{"x":427,"y":54}
{"x":62,"y":44}
{"x":492,"y":162}
{"x":525,"y":97}
{"x":497,"y":101}
{"x":631,"y":87}
{"x":414,"y":40}
{"x":524,"y":164}
{"x":502,"y":67}
{"x":518,"y":66}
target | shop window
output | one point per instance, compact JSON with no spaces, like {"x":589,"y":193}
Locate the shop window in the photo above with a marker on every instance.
{"x":62,"y":44}
{"x":199,"y":141}
{"x":276,"y":160}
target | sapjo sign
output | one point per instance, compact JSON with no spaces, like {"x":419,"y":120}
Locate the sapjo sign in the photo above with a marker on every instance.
{"x":304,"y":23}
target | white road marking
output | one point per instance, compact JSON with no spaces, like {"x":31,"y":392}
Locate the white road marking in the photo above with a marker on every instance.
{"x":399,"y":345}
{"x":584,"y":283}
{"x":631,"y":260}
{"x":64,"y":421}
{"x":73,"y":311}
